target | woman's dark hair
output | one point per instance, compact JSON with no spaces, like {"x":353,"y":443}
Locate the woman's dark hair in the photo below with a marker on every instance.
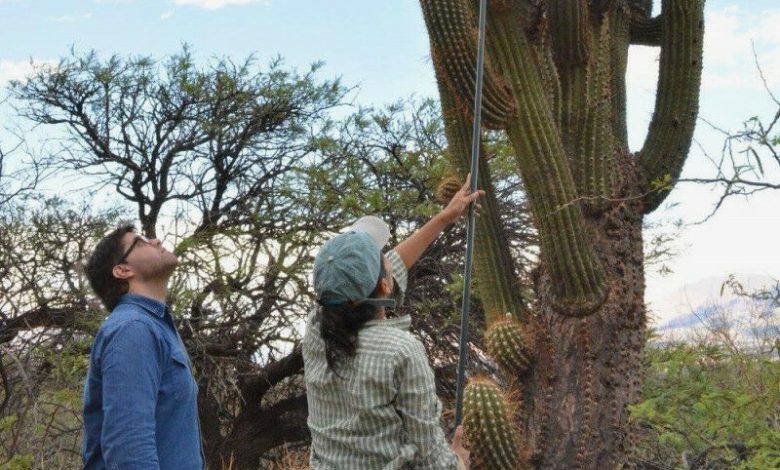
{"x":340,"y":325}
{"x":101,"y":264}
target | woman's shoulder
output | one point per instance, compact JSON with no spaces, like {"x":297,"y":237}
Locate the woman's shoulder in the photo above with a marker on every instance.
{"x":389,"y":338}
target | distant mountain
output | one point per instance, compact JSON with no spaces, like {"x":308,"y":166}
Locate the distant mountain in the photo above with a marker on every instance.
{"x":701,"y":315}
{"x":697,"y":310}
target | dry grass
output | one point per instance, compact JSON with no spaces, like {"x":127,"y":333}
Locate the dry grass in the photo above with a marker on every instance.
{"x":287,"y":458}
{"x":292,"y":459}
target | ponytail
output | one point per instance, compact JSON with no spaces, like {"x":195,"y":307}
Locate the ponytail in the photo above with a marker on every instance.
{"x":340,"y":325}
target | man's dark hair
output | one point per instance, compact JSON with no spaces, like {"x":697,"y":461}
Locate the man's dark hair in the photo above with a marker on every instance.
{"x":100,"y":265}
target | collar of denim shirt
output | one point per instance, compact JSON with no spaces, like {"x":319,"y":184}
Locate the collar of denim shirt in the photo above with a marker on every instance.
{"x":152,"y":306}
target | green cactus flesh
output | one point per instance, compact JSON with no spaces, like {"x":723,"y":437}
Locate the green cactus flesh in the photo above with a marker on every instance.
{"x":507,"y":345}
{"x":488,"y":423}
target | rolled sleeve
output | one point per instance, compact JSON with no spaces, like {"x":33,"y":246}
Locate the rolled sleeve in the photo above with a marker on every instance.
{"x":400,"y":276}
{"x":420,"y":410}
{"x":131,"y":366}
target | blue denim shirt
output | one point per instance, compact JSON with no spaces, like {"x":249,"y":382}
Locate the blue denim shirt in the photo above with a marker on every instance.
{"x":140,"y":399}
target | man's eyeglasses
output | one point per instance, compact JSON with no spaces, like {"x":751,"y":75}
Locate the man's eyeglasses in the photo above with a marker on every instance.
{"x":136,"y":240}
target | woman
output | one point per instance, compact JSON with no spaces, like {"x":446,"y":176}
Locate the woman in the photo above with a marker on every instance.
{"x":370,"y":389}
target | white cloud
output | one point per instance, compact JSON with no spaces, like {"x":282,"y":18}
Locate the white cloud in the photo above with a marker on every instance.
{"x":730,"y":35}
{"x":642,"y":70}
{"x":166,"y":15}
{"x":20,"y":70}
{"x":769,"y":57}
{"x":70,"y":18}
{"x":217,"y":4}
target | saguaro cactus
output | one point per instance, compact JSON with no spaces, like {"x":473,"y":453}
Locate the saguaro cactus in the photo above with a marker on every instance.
{"x":555,"y":82}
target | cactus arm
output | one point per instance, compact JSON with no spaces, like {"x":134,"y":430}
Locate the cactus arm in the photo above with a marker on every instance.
{"x":593,"y":170}
{"x":495,"y":278}
{"x":677,"y":102}
{"x":571,"y":42}
{"x":452,"y":32}
{"x":551,"y":81}
{"x":489,"y":425}
{"x":580,"y":37}
{"x":645,"y":31}
{"x":570,"y":32}
{"x":546,"y":174}
{"x":619,"y":41}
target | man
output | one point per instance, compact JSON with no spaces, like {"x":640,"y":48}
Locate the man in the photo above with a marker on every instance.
{"x":140,"y":398}
{"x":370,"y":389}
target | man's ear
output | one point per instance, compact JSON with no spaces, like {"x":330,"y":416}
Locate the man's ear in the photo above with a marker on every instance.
{"x":122,"y":271}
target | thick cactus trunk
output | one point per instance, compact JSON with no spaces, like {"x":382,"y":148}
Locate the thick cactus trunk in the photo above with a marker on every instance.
{"x":588,"y":370}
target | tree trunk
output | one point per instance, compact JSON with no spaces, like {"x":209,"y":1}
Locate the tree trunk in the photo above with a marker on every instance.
{"x":255,"y":434}
{"x":261,"y":424}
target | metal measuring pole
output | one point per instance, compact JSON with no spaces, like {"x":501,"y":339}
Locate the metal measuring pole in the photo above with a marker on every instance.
{"x":475,"y":141}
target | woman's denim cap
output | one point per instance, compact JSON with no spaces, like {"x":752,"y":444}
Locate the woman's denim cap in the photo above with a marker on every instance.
{"x":346,"y":270}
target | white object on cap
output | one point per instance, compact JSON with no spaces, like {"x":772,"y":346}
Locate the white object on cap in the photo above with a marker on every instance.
{"x":373,"y":226}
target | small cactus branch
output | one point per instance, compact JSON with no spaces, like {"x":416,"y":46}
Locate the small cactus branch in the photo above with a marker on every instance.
{"x":645,"y":31}
{"x":508,"y":343}
{"x":570,"y":32}
{"x":547,"y":176}
{"x":619,"y":29}
{"x":489,"y":424}
{"x":495,"y":278}
{"x":594,"y":166}
{"x":677,"y":102}
{"x":453,"y":36}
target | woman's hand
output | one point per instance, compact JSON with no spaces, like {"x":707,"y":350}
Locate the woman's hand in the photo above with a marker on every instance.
{"x":459,"y":203}
{"x":457,"y":447}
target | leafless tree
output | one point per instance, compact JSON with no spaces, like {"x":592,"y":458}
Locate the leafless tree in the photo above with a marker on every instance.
{"x":210,"y":152}
{"x":244,"y":172}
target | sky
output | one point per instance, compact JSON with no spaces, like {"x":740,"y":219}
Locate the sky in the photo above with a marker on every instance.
{"x":382,"y":48}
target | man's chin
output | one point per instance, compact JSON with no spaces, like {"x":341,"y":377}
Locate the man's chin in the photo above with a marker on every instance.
{"x":171,"y":259}
{"x":168,"y":265}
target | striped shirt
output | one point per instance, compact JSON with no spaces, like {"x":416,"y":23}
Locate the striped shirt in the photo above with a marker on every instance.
{"x":383,"y":413}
